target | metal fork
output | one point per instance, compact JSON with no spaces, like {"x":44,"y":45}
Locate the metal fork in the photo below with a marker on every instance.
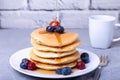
{"x":103,"y":63}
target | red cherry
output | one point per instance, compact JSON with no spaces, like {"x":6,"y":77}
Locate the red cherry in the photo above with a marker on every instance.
{"x":54,"y":24}
{"x":80,"y":65}
{"x":31,"y":66}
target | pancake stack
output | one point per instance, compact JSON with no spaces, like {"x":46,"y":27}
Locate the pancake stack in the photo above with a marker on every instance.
{"x":52,"y":50}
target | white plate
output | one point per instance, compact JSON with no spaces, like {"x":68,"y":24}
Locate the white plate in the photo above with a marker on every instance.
{"x":16,"y":58}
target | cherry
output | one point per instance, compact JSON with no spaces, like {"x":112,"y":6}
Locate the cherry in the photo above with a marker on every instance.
{"x":80,"y":65}
{"x":31,"y":66}
{"x":55,"y":23}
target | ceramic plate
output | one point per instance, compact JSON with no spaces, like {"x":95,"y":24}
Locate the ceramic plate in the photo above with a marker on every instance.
{"x":16,"y":58}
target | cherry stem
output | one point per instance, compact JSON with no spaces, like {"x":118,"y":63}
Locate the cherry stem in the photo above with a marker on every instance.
{"x":55,"y":19}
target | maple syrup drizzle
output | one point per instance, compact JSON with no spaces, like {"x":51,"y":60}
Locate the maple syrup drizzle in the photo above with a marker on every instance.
{"x":57,"y":35}
{"x":45,"y":71}
{"x":58,"y":60}
{"x":51,"y":72}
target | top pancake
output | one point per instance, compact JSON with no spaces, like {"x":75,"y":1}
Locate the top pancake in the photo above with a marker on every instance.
{"x":52,"y":38}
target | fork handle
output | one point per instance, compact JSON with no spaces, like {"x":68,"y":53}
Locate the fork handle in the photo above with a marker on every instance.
{"x":97,"y":73}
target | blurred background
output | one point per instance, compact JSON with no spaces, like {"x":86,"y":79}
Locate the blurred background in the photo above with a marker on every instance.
{"x":38,"y":13}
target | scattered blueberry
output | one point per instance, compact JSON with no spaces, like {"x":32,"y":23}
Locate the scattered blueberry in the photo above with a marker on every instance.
{"x":23,"y":65}
{"x":85,"y":57}
{"x":25,"y":60}
{"x":66,"y":71}
{"x":84,"y":54}
{"x":50,"y":29}
{"x":59,"y":71}
{"x":60,"y":29}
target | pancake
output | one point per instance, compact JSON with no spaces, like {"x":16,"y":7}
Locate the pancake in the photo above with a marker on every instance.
{"x":53,"y":67}
{"x":53,"y":38}
{"x":55,"y":49}
{"x":63,"y":60}
{"x":45,"y":54}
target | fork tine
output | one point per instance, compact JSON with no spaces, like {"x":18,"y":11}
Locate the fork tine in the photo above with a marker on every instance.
{"x":103,"y":59}
{"x":106,"y":59}
{"x":100,"y":59}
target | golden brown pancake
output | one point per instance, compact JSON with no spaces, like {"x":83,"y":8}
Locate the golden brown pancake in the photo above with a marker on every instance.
{"x":55,"y":49}
{"x":53,"y":38}
{"x":53,"y":67}
{"x":52,"y":50}
{"x":47,"y":54}
{"x":63,"y":60}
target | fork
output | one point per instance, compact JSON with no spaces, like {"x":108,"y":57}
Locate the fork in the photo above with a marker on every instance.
{"x":103,"y":63}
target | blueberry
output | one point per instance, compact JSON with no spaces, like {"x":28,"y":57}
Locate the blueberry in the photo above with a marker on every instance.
{"x":66,"y":71}
{"x":23,"y":65}
{"x":50,"y":29}
{"x":84,"y":54}
{"x":60,"y":29}
{"x":24,"y":59}
{"x":59,"y":71}
{"x":85,"y":57}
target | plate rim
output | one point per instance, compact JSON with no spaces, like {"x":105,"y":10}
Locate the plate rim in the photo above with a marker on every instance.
{"x":51,"y":77}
